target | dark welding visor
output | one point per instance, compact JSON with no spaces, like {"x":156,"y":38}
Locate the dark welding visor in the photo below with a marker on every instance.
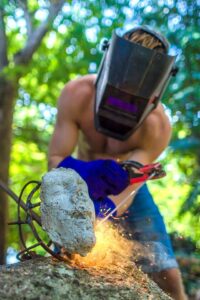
{"x":130,"y":82}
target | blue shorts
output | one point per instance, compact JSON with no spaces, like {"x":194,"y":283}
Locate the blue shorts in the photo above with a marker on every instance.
{"x":144,"y":223}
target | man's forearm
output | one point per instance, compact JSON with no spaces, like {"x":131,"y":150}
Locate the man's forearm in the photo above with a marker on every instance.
{"x":142,"y":157}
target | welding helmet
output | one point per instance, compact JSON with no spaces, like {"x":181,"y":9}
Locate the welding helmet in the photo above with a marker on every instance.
{"x":130,"y":82}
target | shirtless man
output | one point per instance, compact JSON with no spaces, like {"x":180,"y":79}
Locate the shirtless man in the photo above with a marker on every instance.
{"x":76,"y":126}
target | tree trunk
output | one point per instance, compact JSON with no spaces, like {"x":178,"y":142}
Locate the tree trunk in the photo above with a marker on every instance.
{"x":8,"y":91}
{"x":7,"y":97}
{"x":45,"y":278}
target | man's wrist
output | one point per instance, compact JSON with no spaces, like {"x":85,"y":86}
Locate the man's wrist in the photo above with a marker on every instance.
{"x":54,"y":161}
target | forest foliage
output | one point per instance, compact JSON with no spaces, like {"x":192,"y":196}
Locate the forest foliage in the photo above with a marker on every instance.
{"x":71,"y":48}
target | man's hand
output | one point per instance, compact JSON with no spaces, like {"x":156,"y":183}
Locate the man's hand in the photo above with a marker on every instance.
{"x":103,"y":177}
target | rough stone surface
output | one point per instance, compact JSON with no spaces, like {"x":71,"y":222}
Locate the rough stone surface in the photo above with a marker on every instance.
{"x":67,"y":212}
{"x":44,"y":278}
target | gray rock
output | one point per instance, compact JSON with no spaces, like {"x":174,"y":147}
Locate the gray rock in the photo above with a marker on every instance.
{"x":45,"y":279}
{"x":67,"y":212}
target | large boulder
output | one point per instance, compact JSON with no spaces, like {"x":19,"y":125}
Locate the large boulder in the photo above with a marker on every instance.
{"x":47,"y":279}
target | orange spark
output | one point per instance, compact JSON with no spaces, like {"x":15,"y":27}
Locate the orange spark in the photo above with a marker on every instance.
{"x":111,"y":249}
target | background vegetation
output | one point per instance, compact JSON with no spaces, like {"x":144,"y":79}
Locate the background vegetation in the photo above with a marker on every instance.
{"x":69,"y":48}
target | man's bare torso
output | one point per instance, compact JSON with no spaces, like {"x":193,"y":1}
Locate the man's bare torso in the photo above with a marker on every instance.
{"x":92,"y":144}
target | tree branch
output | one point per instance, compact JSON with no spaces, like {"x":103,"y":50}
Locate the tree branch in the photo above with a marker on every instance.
{"x":36,"y":36}
{"x":23,"y":5}
{"x":3,"y":42}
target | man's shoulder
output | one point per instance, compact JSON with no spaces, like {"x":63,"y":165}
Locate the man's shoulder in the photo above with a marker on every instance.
{"x":76,"y":95}
{"x":156,"y":123}
{"x":83,"y":86}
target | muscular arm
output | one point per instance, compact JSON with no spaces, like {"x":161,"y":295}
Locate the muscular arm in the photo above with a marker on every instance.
{"x":65,"y":134}
{"x":154,"y":136}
